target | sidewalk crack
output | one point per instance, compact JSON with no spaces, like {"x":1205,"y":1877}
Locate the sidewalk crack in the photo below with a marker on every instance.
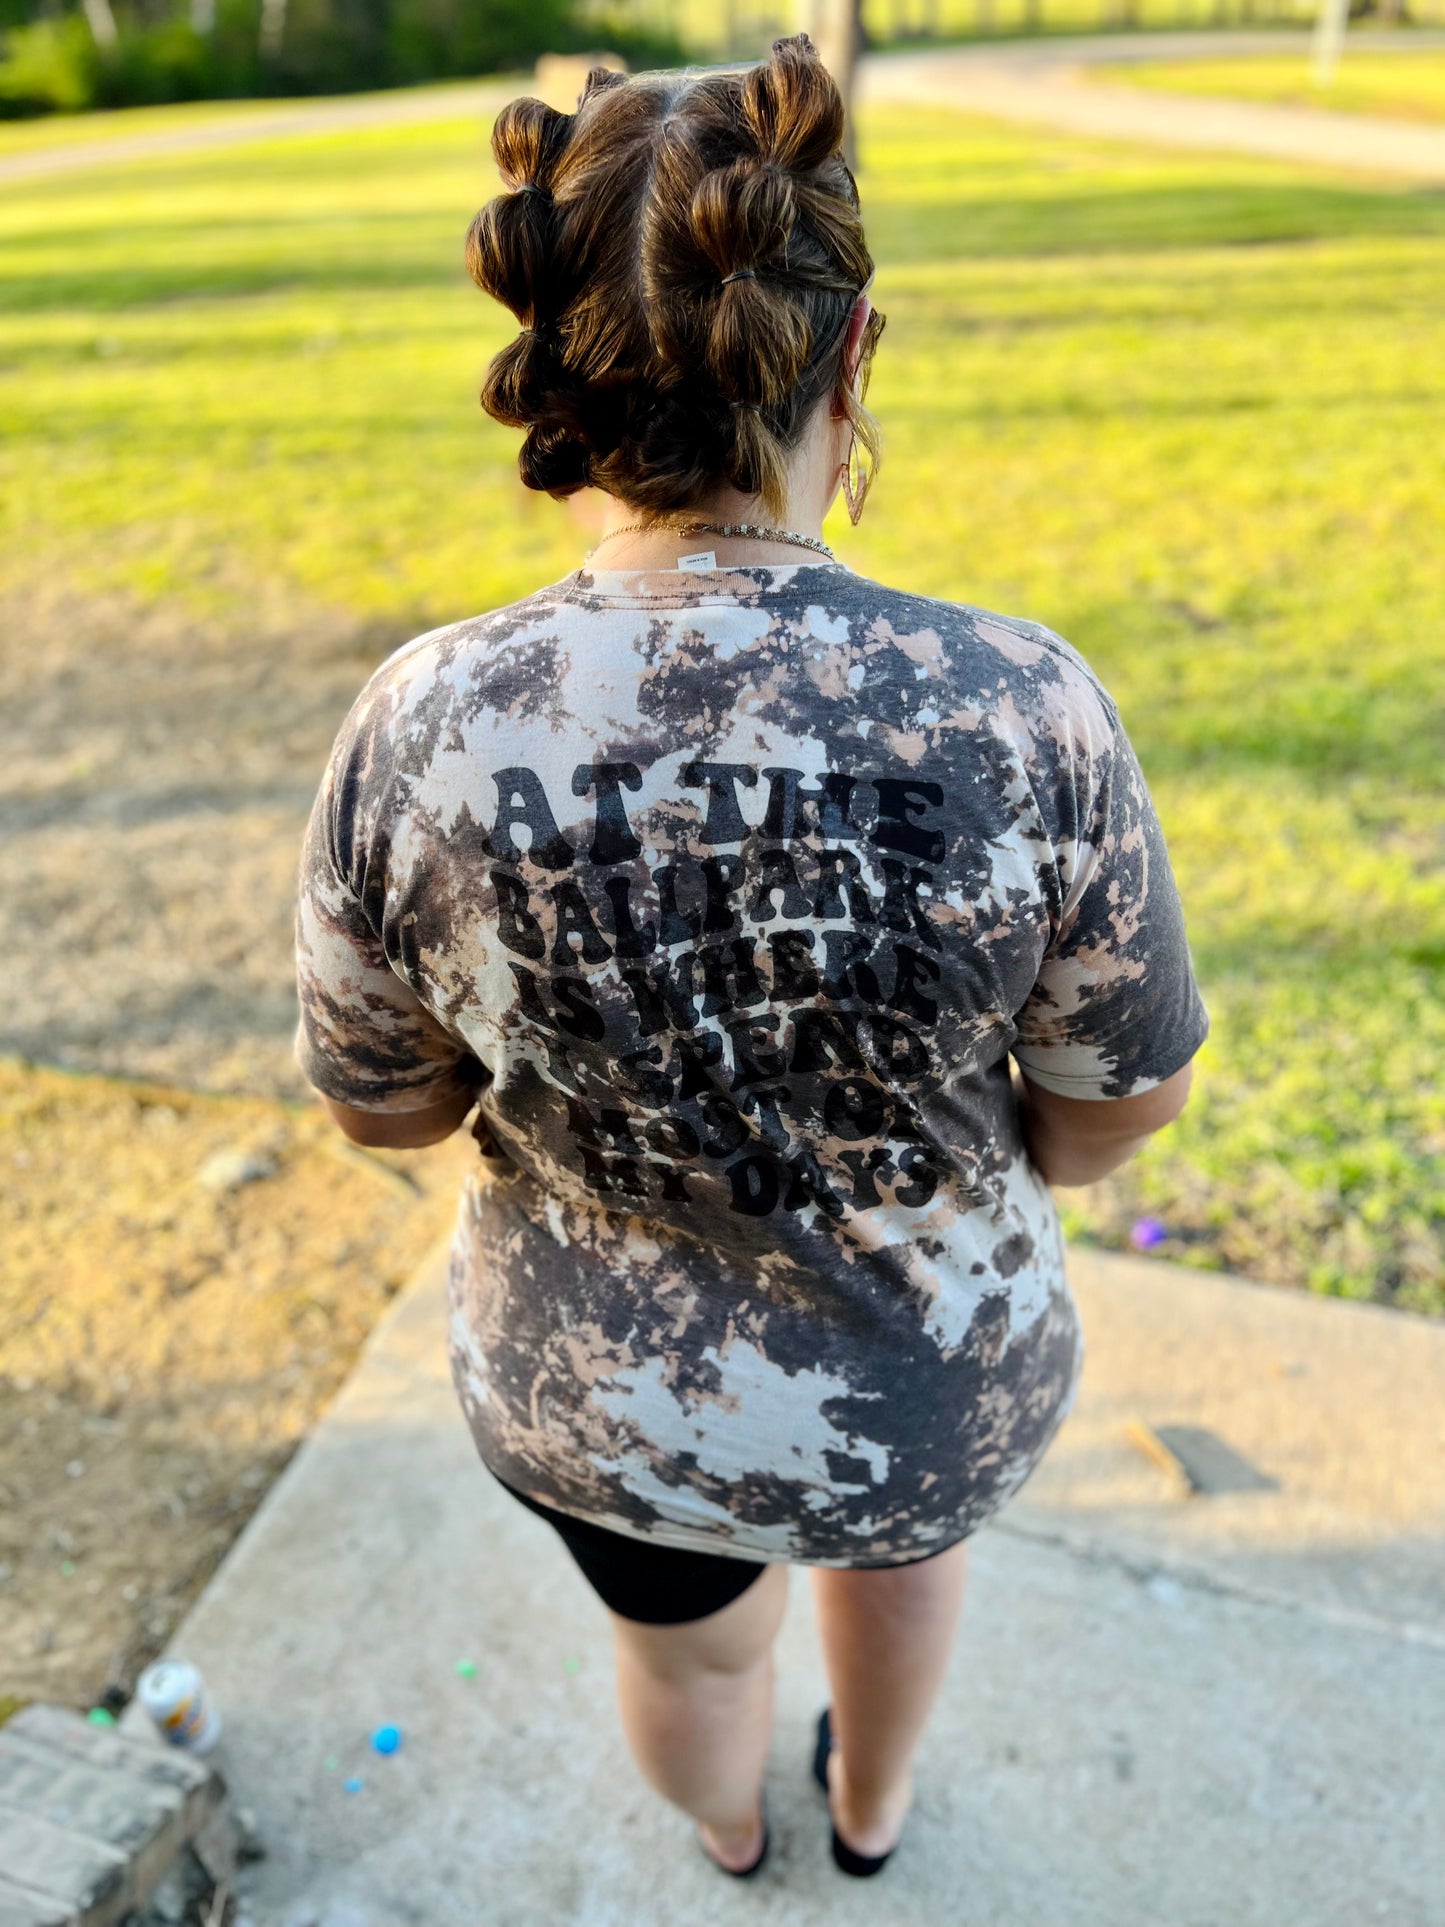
{"x":1144,"y":1571}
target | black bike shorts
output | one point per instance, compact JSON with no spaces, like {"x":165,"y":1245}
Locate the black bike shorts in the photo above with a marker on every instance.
{"x":656,"y":1585}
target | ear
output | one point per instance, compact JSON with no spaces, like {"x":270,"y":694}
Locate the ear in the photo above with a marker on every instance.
{"x":853,"y":345}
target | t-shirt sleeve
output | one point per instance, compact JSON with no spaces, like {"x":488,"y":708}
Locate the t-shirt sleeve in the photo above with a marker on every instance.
{"x":365,"y":1038}
{"x":1116,"y":1008}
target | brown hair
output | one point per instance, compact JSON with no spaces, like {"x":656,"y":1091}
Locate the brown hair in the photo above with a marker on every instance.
{"x":684,"y":253}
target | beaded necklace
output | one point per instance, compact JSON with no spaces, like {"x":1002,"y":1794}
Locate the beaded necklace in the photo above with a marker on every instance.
{"x":748,"y":530}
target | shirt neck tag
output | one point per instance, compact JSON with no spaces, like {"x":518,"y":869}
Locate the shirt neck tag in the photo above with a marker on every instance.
{"x":699,"y":564}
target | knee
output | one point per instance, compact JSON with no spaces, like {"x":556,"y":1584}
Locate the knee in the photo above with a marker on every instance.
{"x":690,"y":1664}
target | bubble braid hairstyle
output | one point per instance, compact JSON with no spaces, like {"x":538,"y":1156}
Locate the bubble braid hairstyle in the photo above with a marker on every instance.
{"x":683,"y":252}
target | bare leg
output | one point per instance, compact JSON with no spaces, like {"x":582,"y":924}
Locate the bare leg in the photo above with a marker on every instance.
{"x":886,"y":1639}
{"x":697,"y":1707}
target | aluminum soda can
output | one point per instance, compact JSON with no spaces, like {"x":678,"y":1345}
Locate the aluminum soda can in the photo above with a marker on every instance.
{"x":175,"y":1696}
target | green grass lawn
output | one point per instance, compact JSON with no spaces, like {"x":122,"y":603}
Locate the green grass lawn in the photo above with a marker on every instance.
{"x":1188,"y":412}
{"x":1407,"y":86}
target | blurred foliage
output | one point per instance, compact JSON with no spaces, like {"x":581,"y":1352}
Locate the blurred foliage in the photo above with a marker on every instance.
{"x":1410,"y":85}
{"x":54,"y":64}
{"x":1186,"y":410}
{"x":49,"y":66}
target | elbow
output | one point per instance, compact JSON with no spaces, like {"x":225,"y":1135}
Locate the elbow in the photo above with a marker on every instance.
{"x":1139,"y":1117}
{"x":398,"y":1130}
{"x":384,"y":1135}
{"x":1173,"y":1095}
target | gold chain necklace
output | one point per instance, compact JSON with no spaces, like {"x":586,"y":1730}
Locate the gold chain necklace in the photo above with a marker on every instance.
{"x":748,"y":530}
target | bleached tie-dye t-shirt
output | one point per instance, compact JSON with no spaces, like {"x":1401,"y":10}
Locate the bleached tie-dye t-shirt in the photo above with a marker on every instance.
{"x":734,"y":892}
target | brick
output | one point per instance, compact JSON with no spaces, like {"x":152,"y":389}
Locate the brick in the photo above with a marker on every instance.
{"x":153,"y":1762}
{"x":91,"y":1819}
{"x":109,"y":1804}
{"x":59,"y":1727}
{"x":86,"y":1876}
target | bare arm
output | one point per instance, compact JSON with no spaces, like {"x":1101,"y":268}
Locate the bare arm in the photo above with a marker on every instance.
{"x":1076,"y":1140}
{"x":401,"y":1130}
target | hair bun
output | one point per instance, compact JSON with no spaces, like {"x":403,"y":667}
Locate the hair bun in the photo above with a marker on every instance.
{"x":510,"y":243}
{"x":520,"y":380}
{"x":555,"y":460}
{"x":742,"y":215}
{"x":793,"y":107}
{"x":509,"y":249}
{"x":528,"y":137}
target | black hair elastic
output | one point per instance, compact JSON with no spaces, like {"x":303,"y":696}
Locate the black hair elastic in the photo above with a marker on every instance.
{"x":741,"y":274}
{"x":531,"y":187}
{"x":756,"y":406}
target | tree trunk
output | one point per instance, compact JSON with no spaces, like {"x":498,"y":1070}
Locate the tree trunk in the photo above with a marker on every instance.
{"x":836,"y":31}
{"x":1329,"y":39}
{"x":101,"y":22}
{"x":273,"y":28}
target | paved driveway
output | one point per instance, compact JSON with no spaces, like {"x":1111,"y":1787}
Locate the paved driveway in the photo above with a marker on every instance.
{"x":1047,"y":83}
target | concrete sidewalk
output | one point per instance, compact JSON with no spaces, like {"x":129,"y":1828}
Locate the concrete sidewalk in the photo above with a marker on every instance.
{"x":1046,"y":83}
{"x":1163,"y":1712}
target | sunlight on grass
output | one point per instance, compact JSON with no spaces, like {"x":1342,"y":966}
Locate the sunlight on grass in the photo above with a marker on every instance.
{"x":1185,"y":411}
{"x":1409,"y":85}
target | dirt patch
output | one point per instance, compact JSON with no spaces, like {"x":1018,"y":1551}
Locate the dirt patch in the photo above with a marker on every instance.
{"x":155,"y":775}
{"x":166,"y":1343}
{"x":187,"y":1282}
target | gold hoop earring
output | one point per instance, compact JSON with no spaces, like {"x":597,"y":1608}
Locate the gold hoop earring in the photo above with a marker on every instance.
{"x":855,"y":493}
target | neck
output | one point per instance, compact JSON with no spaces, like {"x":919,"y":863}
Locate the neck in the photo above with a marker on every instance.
{"x":659,"y":548}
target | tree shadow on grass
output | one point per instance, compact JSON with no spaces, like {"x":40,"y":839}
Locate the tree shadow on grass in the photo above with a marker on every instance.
{"x":1072,"y":219}
{"x":256,"y":254}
